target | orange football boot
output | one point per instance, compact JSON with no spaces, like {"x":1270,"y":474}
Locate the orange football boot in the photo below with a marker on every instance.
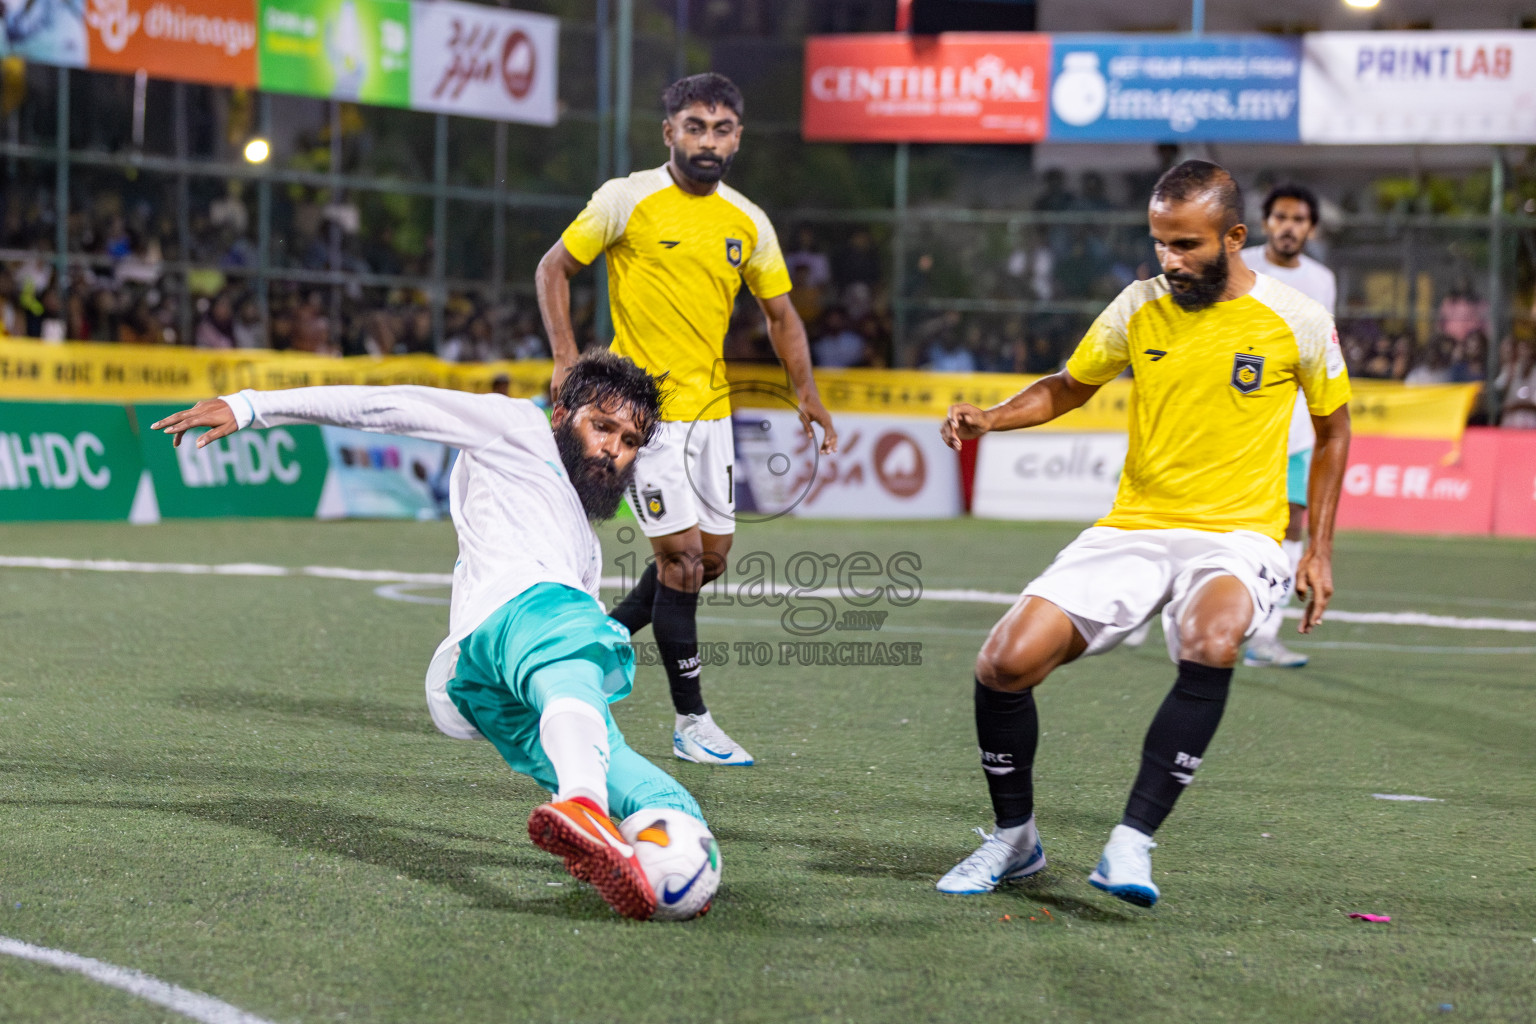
{"x":580,"y":834}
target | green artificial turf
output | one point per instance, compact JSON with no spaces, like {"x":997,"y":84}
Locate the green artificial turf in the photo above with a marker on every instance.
{"x":231,"y":783}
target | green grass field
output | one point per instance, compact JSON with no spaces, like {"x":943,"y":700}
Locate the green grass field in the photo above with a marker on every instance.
{"x":232,"y":784}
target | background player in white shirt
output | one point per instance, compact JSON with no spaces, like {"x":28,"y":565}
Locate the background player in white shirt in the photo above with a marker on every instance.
{"x":1290,"y":219}
{"x":532,"y":660}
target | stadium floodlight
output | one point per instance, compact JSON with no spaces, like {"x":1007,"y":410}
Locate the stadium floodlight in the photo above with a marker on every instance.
{"x":1363,"y":5}
{"x":257,"y":151}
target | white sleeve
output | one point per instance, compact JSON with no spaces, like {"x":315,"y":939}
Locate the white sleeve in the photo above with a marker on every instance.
{"x":454,"y":418}
{"x":1332,"y":289}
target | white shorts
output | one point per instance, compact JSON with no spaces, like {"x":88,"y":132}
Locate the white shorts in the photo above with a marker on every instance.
{"x":686,"y":477}
{"x":1110,"y":581}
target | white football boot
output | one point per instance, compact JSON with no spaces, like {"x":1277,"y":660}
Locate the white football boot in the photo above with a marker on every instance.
{"x":1008,"y":854}
{"x":1272,"y":654}
{"x":1125,"y":867}
{"x":698,"y":739}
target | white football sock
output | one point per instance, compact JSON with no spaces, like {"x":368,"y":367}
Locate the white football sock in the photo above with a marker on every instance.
{"x":574,"y":736}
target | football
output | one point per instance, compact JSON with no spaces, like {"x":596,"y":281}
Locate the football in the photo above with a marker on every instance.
{"x":680,"y":857}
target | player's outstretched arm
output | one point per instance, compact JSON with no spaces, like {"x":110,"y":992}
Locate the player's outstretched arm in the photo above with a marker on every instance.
{"x":1041,"y":402}
{"x":449,"y":417}
{"x":1314,"y":576}
{"x":553,"y":282}
{"x":786,"y":331}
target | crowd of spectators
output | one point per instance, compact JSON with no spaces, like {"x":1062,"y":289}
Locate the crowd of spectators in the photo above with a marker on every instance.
{"x":120,"y":288}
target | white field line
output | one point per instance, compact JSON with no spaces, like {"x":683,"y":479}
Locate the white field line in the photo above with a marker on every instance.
{"x":386,"y":576}
{"x":173,"y":997}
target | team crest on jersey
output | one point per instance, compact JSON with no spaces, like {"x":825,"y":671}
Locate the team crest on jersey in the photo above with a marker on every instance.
{"x":1247,"y":372}
{"x":733,"y":251}
{"x":654,"y":506}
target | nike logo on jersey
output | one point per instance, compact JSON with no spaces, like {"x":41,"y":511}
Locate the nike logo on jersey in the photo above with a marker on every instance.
{"x":670,"y":245}
{"x":1155,"y":353}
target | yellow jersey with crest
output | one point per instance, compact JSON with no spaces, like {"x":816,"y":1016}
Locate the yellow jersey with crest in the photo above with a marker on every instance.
{"x":675,"y":264}
{"x":1211,"y":408}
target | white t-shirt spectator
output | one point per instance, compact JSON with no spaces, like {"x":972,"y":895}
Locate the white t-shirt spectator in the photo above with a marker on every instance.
{"x":1317,"y":283}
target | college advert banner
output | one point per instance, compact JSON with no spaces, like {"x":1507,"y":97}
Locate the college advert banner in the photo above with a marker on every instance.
{"x":1173,"y":89}
{"x":1419,"y":87}
{"x":211,"y":41}
{"x":484,"y":62}
{"x":958,"y":87}
{"x":338,"y":49}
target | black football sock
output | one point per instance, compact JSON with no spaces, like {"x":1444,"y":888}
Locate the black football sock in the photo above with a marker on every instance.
{"x":1008,"y":729}
{"x":1175,"y":743}
{"x":677,"y":639}
{"x":634,"y":611}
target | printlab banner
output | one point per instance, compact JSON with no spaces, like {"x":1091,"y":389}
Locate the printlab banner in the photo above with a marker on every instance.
{"x":1419,"y":87}
{"x":1173,"y":89}
{"x":961,"y":87}
{"x":338,"y":49}
{"x":484,"y":62}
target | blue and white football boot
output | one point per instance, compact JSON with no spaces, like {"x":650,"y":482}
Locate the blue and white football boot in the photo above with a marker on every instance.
{"x":698,"y":739}
{"x":1125,"y":868}
{"x":1004,"y":856}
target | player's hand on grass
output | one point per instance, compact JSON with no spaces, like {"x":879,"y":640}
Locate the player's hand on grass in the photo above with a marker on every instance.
{"x":965,"y":423}
{"x":1314,"y":584}
{"x":812,"y":411}
{"x":213,"y":413}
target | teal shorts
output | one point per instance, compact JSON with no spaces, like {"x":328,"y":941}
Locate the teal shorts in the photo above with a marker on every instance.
{"x":1297,"y":470}
{"x":494,"y":688}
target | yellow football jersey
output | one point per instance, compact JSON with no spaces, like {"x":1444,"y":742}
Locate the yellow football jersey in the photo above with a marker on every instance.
{"x":1211,"y":409}
{"x":675,"y":263}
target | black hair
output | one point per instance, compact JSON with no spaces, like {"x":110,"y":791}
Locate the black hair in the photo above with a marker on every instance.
{"x":1298,"y":192}
{"x":1194,"y":179}
{"x":604,"y":379}
{"x":710,"y":89}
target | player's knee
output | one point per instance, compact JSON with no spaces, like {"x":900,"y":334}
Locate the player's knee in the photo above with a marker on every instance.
{"x":682,"y":570}
{"x":1215,"y":647}
{"x":1009,"y":671}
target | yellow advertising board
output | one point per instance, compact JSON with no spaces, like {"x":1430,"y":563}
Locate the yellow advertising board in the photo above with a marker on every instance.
{"x":90,"y":372}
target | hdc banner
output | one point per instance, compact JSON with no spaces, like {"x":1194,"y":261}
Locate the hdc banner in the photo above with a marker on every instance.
{"x":338,"y":49}
{"x":484,"y":62}
{"x":210,"y":41}
{"x":66,"y":461}
{"x":1407,"y":87}
{"x":961,"y":87}
{"x":1172,"y":89}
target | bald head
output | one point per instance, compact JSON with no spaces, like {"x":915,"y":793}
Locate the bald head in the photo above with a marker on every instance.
{"x":1204,"y":182}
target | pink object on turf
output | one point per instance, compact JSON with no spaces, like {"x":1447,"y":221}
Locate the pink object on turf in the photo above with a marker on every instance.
{"x":1373,"y":918}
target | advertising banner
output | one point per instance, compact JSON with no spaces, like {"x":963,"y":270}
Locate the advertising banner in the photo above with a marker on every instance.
{"x":383,"y":476}
{"x":1174,"y":89}
{"x":885,"y":468}
{"x":484,"y":62}
{"x":274,"y":472}
{"x":1514,"y":493}
{"x":1414,"y":486}
{"x":1419,"y":87}
{"x":1062,"y":477}
{"x":45,"y":32}
{"x":211,"y":41}
{"x":960,"y":87}
{"x":66,"y":461}
{"x":338,"y":49}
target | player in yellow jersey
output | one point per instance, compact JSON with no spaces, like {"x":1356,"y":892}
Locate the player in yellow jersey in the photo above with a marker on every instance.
{"x":679,"y":242}
{"x":1218,"y":354}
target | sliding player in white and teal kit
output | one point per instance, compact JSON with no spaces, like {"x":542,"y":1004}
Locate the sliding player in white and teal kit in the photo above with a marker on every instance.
{"x":532,"y":660}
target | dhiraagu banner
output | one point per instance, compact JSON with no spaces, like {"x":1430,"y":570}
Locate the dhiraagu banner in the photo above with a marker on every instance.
{"x":337,"y":49}
{"x":275,"y":472}
{"x":67,"y":461}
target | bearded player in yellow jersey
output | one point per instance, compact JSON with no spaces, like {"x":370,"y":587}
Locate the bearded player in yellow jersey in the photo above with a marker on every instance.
{"x":1218,"y":353}
{"x":679,"y":242}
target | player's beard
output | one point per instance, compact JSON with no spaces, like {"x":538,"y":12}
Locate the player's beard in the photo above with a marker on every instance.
{"x":1287,"y":245}
{"x":709,"y":171}
{"x":1204,"y":288}
{"x":598,"y":482}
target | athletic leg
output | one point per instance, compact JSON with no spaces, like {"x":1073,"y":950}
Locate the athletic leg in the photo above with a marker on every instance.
{"x":1211,"y":630}
{"x":1265,"y":649}
{"x":1029,"y":642}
